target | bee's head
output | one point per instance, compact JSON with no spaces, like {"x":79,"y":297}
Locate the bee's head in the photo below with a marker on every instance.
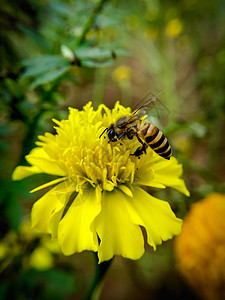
{"x":111,"y":132}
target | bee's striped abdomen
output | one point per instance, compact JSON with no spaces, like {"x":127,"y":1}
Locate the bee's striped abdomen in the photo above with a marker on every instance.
{"x":156,"y":140}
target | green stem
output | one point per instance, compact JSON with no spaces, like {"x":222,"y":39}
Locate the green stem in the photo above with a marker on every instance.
{"x":99,"y":274}
{"x":90,"y":22}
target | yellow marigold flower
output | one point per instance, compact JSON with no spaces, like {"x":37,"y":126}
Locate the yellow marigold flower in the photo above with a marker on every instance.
{"x":174,"y":28}
{"x":200,"y":248}
{"x":96,"y":203}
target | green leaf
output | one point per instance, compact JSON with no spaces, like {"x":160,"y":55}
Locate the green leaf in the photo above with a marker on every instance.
{"x":98,"y":53}
{"x":49,"y":76}
{"x":122,"y":52}
{"x":60,"y":8}
{"x":97,"y":64}
{"x":198,"y":129}
{"x":35,"y":36}
{"x":45,"y":59}
{"x":93,"y":53}
{"x":42,"y":64}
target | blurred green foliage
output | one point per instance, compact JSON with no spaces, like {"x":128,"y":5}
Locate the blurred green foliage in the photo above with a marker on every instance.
{"x":56,"y":54}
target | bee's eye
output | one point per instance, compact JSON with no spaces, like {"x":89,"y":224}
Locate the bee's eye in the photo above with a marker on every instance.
{"x":111,"y":133}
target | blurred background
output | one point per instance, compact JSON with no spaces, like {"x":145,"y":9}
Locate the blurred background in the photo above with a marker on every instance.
{"x":56,"y":54}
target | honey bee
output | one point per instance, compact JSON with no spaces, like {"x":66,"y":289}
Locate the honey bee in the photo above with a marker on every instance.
{"x":147,"y":133}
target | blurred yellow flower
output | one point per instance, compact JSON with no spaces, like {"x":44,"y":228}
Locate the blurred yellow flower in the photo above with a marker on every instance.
{"x":200,"y":248}
{"x":174,"y":28}
{"x":96,"y":203}
{"x":41,"y":259}
{"x":25,"y":231}
{"x":9,"y":246}
{"x":182,"y":142}
{"x":18,"y":245}
{"x":121,"y":73}
{"x":3,"y":250}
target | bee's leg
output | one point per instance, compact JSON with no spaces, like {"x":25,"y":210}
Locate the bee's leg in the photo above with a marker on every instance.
{"x":130,"y":134}
{"x":117,"y":138}
{"x":113,"y":140}
{"x":140,"y":150}
{"x":140,"y":140}
{"x":120,"y":135}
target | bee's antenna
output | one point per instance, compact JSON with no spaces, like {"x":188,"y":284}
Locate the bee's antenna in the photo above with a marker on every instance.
{"x":103,"y":133}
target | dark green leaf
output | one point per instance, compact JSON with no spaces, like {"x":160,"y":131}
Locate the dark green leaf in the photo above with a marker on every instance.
{"x":42,"y":64}
{"x":35,"y":36}
{"x":47,"y":77}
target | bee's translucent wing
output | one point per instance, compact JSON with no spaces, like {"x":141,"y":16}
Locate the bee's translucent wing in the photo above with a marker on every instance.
{"x":146,"y":103}
{"x":143,"y":106}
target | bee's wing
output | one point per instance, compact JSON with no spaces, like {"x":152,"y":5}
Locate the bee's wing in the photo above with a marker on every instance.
{"x":145,"y":104}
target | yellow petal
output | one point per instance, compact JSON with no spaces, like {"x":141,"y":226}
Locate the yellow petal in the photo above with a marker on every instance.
{"x":125,"y":189}
{"x":47,"y":166}
{"x":161,"y":173}
{"x":37,"y":151}
{"x":38,"y":157}
{"x":98,"y":194}
{"x":47,"y":184}
{"x":41,"y":259}
{"x":42,"y":211}
{"x":117,"y":233}
{"x":48,"y":205}
{"x":54,"y":220}
{"x":66,"y":197}
{"x":168,"y":173}
{"x":75,"y":233}
{"x":144,"y":172}
{"x":22,"y":172}
{"x":157,"y":217}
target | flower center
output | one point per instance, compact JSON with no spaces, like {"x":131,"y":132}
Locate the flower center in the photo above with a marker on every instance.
{"x":85,"y":157}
